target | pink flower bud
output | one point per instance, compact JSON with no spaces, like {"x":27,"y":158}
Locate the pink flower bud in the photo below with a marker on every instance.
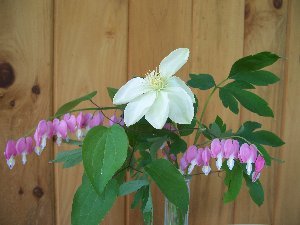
{"x":231,"y":149}
{"x":206,"y":155}
{"x":60,"y":130}
{"x":71,"y":122}
{"x":116,"y":120}
{"x":259,"y":165}
{"x":10,"y":153}
{"x":82,"y":122}
{"x":43,"y":131}
{"x":96,"y":120}
{"x":248,"y":155}
{"x":24,"y":146}
{"x":217,"y":152}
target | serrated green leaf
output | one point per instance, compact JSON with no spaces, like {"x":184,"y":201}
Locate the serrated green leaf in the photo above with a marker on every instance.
{"x":233,"y":180}
{"x":72,"y":104}
{"x":69,"y":158}
{"x":170,"y":181}
{"x":265,"y":137}
{"x":132,"y":186}
{"x":255,"y":189}
{"x":239,"y":84}
{"x":253,"y":62}
{"x":201,"y":81}
{"x":221,"y":124}
{"x":228,"y":100}
{"x":252,"y":102}
{"x":88,"y":207}
{"x":104,"y":151}
{"x":259,"y":78}
{"x":248,"y":127}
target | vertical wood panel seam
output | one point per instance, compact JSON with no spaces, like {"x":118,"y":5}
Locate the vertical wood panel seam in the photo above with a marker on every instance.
{"x":284,"y":104}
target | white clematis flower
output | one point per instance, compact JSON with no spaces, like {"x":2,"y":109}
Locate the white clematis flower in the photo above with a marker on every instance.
{"x":159,"y":95}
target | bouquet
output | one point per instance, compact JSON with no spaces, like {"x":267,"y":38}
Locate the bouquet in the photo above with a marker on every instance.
{"x":145,"y":137}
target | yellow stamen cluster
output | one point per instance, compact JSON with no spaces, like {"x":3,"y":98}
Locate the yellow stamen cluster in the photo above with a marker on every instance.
{"x":155,"y":80}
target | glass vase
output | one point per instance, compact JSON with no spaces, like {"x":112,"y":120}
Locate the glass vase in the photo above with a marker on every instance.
{"x":173,"y":216}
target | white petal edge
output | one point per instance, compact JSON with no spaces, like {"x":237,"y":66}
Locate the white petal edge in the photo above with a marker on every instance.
{"x":181,"y":105}
{"x":173,"y":62}
{"x":159,"y":111}
{"x":129,"y":91}
{"x":177,"y":82}
{"x":136,"y":109}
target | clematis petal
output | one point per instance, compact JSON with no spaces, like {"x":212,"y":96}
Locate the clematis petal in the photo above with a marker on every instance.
{"x":173,"y":62}
{"x":177,"y":82}
{"x":181,"y":105}
{"x":132,"y":89}
{"x":137,"y":108}
{"x":159,"y":111}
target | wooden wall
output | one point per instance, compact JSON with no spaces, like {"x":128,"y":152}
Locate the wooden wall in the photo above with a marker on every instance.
{"x":54,"y":50}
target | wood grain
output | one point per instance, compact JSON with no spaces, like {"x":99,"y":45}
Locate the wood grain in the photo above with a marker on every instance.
{"x":155,"y":29}
{"x":265,"y":30}
{"x":90,"y":54}
{"x":287,"y":204}
{"x":26,"y":39}
{"x":218,"y":31}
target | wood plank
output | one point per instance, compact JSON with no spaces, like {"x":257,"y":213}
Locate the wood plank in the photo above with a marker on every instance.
{"x":265,"y":30}
{"x":287,"y":204}
{"x":90,"y":54}
{"x":155,"y":29}
{"x":218,"y":30}
{"x":26,"y":44}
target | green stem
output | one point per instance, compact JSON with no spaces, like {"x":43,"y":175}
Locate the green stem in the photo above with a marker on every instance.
{"x":199,"y":131}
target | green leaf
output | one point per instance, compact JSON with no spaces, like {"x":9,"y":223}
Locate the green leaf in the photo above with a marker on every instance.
{"x":179,"y":145}
{"x":252,"y":102}
{"x":267,"y":138}
{"x":170,"y":181}
{"x":147,"y":206}
{"x":137,"y":197}
{"x":259,"y":78}
{"x":111,"y":92}
{"x":72,"y":104}
{"x":253,"y":62}
{"x":196,"y":105}
{"x":201,"y":81}
{"x":69,"y":158}
{"x":88,"y":207}
{"x":220,"y":124}
{"x":132,"y":186}
{"x":156,"y":145}
{"x":264,"y":153}
{"x":73,"y":142}
{"x":104,"y":151}
{"x":239,"y":84}
{"x":228,"y":100}
{"x":248,"y":127}
{"x":233,"y":180}
{"x":255,"y":189}
{"x":186,"y":129}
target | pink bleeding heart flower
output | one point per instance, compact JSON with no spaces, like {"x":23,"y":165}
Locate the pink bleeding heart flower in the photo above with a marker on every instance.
{"x":231,"y":149}
{"x":116,"y":120}
{"x":43,"y":132}
{"x":60,"y":130}
{"x":170,"y":127}
{"x":206,"y":155}
{"x":248,"y":155}
{"x":191,"y":157}
{"x":82,"y":123}
{"x":10,"y":153}
{"x":71,"y":122}
{"x":216,"y":148}
{"x":183,"y":164}
{"x":259,"y":165}
{"x":173,"y":157}
{"x":24,"y":147}
{"x":96,"y":120}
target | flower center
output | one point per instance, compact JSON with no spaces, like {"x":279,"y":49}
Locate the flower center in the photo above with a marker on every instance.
{"x":156,"y":81}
